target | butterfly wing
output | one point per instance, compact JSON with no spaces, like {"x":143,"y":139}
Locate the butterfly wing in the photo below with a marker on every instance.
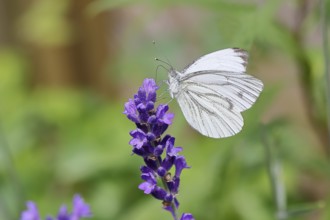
{"x":214,"y":90}
{"x":208,"y":113}
{"x":229,"y":60}
{"x":241,"y":90}
{"x":211,"y":101}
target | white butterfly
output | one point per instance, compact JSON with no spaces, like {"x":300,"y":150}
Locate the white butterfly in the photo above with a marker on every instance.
{"x":214,"y":90}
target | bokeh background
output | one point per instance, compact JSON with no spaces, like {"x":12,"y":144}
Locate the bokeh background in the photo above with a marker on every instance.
{"x":68,"y":66}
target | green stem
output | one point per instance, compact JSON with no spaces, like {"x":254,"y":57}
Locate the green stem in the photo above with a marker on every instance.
{"x":326,"y":59}
{"x":275,"y":175}
{"x":12,"y":174}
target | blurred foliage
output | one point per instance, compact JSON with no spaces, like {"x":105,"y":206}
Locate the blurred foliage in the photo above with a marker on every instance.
{"x":57,"y":141}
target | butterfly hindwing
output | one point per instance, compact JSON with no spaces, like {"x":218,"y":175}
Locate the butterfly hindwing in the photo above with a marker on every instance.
{"x":210,"y":115}
{"x":241,"y":89}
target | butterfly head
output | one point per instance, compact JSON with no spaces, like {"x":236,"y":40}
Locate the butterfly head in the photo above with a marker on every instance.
{"x":173,"y":78}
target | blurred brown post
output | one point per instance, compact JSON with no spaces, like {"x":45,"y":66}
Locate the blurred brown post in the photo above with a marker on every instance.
{"x":91,"y":49}
{"x":83,"y":60}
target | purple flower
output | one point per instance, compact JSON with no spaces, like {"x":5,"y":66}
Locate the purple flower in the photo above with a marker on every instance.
{"x":131,"y":111}
{"x":159,"y":193}
{"x":162,"y":116}
{"x":139,"y":138}
{"x":148,"y":90}
{"x":31,"y":213}
{"x":173,"y":185}
{"x":166,"y":165}
{"x":170,"y":149}
{"x":150,"y":180}
{"x":147,"y":187}
{"x":180,"y":164}
{"x":149,"y":142}
{"x":187,"y":216}
{"x":80,"y":210}
{"x":63,"y":213}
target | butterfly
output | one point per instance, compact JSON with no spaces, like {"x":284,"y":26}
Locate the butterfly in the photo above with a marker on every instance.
{"x":214,"y":90}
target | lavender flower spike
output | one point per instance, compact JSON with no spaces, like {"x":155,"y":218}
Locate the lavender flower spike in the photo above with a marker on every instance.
{"x":187,"y":216}
{"x":31,"y":213}
{"x":158,"y":151}
{"x":80,"y":210}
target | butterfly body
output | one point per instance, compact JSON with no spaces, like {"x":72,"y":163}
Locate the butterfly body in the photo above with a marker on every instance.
{"x":174,"y":83}
{"x":214,"y":90}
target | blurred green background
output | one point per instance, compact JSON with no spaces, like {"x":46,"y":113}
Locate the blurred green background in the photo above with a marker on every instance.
{"x":68,"y":66}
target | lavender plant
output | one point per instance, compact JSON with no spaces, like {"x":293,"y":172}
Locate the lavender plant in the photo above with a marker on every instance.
{"x":157,"y":150}
{"x":80,"y":210}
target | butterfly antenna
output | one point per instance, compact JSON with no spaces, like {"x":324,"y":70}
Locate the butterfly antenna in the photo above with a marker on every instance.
{"x":167,"y":67}
{"x":162,"y":61}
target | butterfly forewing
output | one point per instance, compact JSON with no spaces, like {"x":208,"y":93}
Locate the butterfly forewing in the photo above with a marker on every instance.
{"x":231,"y":60}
